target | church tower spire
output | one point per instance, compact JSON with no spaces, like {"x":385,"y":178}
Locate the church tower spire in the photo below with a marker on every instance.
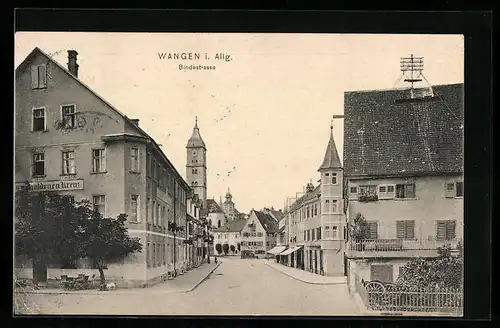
{"x":196,"y":164}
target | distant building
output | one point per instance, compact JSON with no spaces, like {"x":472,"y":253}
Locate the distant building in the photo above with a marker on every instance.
{"x":70,"y":140}
{"x":258,"y":234}
{"x":230,"y":234}
{"x":403,"y":158}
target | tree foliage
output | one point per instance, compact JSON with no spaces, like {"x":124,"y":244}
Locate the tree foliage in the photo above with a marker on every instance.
{"x":359,"y":229}
{"x":233,"y":248}
{"x":225,"y":248}
{"x":63,"y":231}
{"x":445,"y":271}
{"x":218,"y":248}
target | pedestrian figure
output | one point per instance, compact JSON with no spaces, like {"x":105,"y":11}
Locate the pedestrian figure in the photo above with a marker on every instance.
{"x":216,"y":260}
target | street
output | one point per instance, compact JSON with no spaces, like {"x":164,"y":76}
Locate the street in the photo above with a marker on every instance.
{"x":236,"y":287}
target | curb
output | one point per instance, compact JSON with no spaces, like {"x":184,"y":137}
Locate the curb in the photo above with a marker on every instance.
{"x":202,"y":279}
{"x":305,"y":281}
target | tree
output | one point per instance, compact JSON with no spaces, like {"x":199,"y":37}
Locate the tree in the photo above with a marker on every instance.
{"x":108,"y":241}
{"x":47,"y":228}
{"x":218,"y":248}
{"x":359,"y":229}
{"x":445,"y":271}
{"x":233,"y":248}
{"x":225,"y":248}
{"x":238,"y":246}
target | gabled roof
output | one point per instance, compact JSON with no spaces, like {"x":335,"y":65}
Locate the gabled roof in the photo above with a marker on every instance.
{"x":308,"y":196}
{"x":268,"y":222}
{"x":232,"y":226}
{"x":196,"y":140}
{"x":37,"y":51}
{"x":385,"y":134}
{"x":331,"y":159}
{"x":213,"y":207}
{"x":278,"y":215}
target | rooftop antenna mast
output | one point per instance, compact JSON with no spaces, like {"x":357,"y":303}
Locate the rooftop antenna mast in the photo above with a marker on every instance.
{"x":413,"y":65}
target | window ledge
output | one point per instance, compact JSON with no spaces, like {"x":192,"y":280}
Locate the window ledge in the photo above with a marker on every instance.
{"x":134,"y":172}
{"x":458,"y":197}
{"x":68,"y":175}
{"x":39,"y":176}
{"x":103,"y":172}
{"x":39,"y":131}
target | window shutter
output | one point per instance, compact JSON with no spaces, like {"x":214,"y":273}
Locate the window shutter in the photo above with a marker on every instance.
{"x":400,"y":229}
{"x":449,"y":188}
{"x":34,"y":77}
{"x":410,"y":191}
{"x":441,"y":231}
{"x":373,"y":230}
{"x":450,"y":230}
{"x":410,"y":229}
{"x":42,"y":76}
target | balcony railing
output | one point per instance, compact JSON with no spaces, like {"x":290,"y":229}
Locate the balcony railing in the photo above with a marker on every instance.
{"x":388,"y":245}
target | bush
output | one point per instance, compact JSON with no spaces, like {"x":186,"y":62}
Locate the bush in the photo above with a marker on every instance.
{"x":225,"y":248}
{"x":218,"y":248}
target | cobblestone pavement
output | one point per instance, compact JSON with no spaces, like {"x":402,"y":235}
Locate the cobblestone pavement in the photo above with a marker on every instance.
{"x":236,"y":287}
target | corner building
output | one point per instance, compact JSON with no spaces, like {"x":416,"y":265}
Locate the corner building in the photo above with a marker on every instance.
{"x":70,"y":140}
{"x":317,"y":225}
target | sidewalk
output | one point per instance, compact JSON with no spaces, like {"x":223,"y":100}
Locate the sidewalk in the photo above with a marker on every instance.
{"x":307,"y":277}
{"x":180,"y":284}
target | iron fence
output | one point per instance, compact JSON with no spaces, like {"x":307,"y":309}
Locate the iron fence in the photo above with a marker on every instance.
{"x":378,"y":296}
{"x":396,"y":244}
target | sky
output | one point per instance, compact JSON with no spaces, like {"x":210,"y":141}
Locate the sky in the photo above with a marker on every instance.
{"x":265,"y":114}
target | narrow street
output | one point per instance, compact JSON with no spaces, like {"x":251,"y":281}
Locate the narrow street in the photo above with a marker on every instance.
{"x":236,"y":287}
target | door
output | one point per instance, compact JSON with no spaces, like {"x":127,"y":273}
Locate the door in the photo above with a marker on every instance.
{"x":315,"y":261}
{"x":381,"y":272}
{"x":321,"y":270}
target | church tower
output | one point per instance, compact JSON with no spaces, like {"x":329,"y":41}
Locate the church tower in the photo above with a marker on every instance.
{"x":196,"y":164}
{"x":229,"y":205}
{"x":332,"y":214}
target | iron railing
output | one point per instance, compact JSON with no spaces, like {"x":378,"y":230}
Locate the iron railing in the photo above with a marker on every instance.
{"x":385,"y":245}
{"x":382,"y":297}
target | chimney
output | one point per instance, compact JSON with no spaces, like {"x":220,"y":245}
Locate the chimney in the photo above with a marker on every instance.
{"x":72,"y":65}
{"x":135,"y":121}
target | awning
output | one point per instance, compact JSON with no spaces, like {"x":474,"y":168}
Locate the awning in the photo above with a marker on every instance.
{"x":288,"y":251}
{"x":276,"y":250}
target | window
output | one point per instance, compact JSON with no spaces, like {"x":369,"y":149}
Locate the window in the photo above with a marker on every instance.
{"x":39,"y":76}
{"x":158,"y":214}
{"x":327,"y":206}
{"x":334,"y":232}
{"x":405,"y":191}
{"x":327,"y":178}
{"x":164,"y":255}
{"x":373,"y":230}
{"x":315,"y":209}
{"x":153,"y":212}
{"x":318,"y":233}
{"x":353,"y":190}
{"x":334,"y":178}
{"x":68,"y":162}
{"x":68,"y":116}
{"x":98,"y":161}
{"x":305,"y":235}
{"x":313,"y":234}
{"x":405,"y":229}
{"x":148,"y":164}
{"x":308,"y":234}
{"x":134,"y":203}
{"x":38,"y":119}
{"x":367,"y":191}
{"x":446,"y":230}
{"x":259,"y":234}
{"x":454,"y":189}
{"x":134,"y":159}
{"x":327,"y":231}
{"x":38,"y":164}
{"x":334,"y":206}
{"x":154,"y":255}
{"x":99,"y":203}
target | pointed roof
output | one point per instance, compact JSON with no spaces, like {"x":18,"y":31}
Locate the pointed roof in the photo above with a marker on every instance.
{"x":332,"y":159}
{"x":196,"y":140}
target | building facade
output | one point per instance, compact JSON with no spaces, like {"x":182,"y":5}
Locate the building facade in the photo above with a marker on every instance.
{"x":317,"y":224}
{"x":258,"y":234}
{"x":230,"y":234}
{"x":70,"y":140}
{"x":404,"y":167}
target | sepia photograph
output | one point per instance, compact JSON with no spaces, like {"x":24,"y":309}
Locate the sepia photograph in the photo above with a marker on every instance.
{"x":238,"y":174}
